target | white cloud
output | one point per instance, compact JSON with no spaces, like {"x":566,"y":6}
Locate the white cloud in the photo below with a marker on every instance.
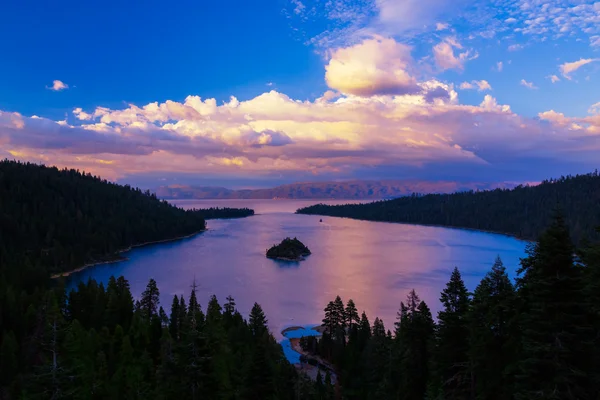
{"x":445,"y":58}
{"x":515,"y":47}
{"x":594,"y":108}
{"x":528,"y":85}
{"x":375,"y":66}
{"x":554,"y":78}
{"x":299,"y":7}
{"x":441,"y":26}
{"x":481,"y":85}
{"x":58,"y":86}
{"x":569,"y":67}
{"x":82,"y":115}
{"x":510,"y":20}
{"x":499,"y":66}
{"x":269,"y":83}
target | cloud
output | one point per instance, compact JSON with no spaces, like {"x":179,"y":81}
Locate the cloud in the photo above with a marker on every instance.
{"x":481,"y":85}
{"x":381,"y":117}
{"x":347,"y":22}
{"x":375,"y":66}
{"x":58,"y":86}
{"x":265,"y":138}
{"x":594,"y":108}
{"x":569,"y":67}
{"x":528,"y":85}
{"x":554,"y":78}
{"x":299,"y":7}
{"x":444,"y":54}
{"x":12,"y":120}
{"x":499,"y":66}
{"x":516,"y":47}
{"x":341,"y":136}
{"x":440,"y":26}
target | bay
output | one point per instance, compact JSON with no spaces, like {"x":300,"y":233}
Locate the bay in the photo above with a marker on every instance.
{"x":374,"y":263}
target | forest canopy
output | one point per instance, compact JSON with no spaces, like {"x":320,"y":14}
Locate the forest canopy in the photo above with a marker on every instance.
{"x":524,"y":211}
{"x":55,"y":220}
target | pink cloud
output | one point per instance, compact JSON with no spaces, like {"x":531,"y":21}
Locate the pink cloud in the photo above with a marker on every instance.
{"x":375,"y":66}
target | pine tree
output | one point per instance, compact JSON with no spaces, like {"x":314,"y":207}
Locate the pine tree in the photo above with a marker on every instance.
{"x":352,"y":317}
{"x":555,"y":359}
{"x":150,"y":299}
{"x":493,"y":334}
{"x":590,"y":259}
{"x":414,"y":337}
{"x":451,"y":357}
{"x":339,"y":313}
{"x":329,"y":319}
{"x":259,"y":382}
{"x":258,"y":321}
{"x":229,"y":306}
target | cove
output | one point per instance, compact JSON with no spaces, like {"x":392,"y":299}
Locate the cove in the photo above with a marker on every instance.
{"x":374,"y":263}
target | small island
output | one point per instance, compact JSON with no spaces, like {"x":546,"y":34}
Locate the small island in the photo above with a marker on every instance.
{"x":289,"y":249}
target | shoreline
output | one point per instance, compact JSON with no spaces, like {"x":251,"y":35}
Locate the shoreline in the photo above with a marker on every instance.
{"x":522,"y":239}
{"x":119,"y":252}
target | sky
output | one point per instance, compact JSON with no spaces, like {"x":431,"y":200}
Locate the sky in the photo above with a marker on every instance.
{"x":255,"y":94}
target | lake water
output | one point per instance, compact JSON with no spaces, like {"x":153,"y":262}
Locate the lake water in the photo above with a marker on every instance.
{"x":374,"y":263}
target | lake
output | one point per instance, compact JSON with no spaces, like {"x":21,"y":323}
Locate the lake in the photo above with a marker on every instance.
{"x":374,"y":263}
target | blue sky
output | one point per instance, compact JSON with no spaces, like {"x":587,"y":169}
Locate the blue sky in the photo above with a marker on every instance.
{"x":269,"y":92}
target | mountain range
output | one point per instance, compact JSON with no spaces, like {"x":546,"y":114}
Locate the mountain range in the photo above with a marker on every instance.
{"x":384,"y":189}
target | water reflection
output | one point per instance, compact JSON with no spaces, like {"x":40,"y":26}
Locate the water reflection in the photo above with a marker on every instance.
{"x":376,"y":264}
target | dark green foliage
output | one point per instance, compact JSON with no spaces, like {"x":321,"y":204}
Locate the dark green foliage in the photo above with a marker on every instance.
{"x":56,"y":220}
{"x":149,"y":300}
{"x":257,"y":321}
{"x":452,"y":363}
{"x":415,"y":340}
{"x":288,"y":249}
{"x":494,"y":335}
{"x":590,"y":260}
{"x":213,"y":356}
{"x":224,"y":213}
{"x":524,"y":211}
{"x":556,"y":353}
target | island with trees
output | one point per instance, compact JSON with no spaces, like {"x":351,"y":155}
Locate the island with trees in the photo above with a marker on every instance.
{"x":289,"y":250}
{"x":533,"y":337}
{"x":224,"y":212}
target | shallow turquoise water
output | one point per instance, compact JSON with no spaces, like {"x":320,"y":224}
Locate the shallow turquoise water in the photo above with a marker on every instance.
{"x":374,"y":263}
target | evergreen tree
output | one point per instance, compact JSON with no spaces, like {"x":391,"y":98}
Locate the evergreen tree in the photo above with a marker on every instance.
{"x":556,"y":336}
{"x":174,"y":318}
{"x":329,"y":321}
{"x":352,"y":317}
{"x":451,"y":358}
{"x":259,"y":376}
{"x":258,"y":321}
{"x":493,"y":335}
{"x":150,"y":300}
{"x":229,"y":306}
{"x":590,"y":259}
{"x":414,"y":334}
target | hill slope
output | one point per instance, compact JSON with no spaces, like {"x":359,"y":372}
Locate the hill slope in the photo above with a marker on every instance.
{"x":60,"y":219}
{"x":324,"y":190}
{"x":523,"y":211}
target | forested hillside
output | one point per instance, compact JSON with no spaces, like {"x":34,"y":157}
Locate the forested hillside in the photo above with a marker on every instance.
{"x":98,"y":343}
{"x":524,"y":211}
{"x":53,"y":220}
{"x":536,"y":339}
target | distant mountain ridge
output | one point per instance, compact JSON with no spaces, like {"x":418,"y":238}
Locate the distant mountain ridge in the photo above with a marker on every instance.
{"x":384,"y":189}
